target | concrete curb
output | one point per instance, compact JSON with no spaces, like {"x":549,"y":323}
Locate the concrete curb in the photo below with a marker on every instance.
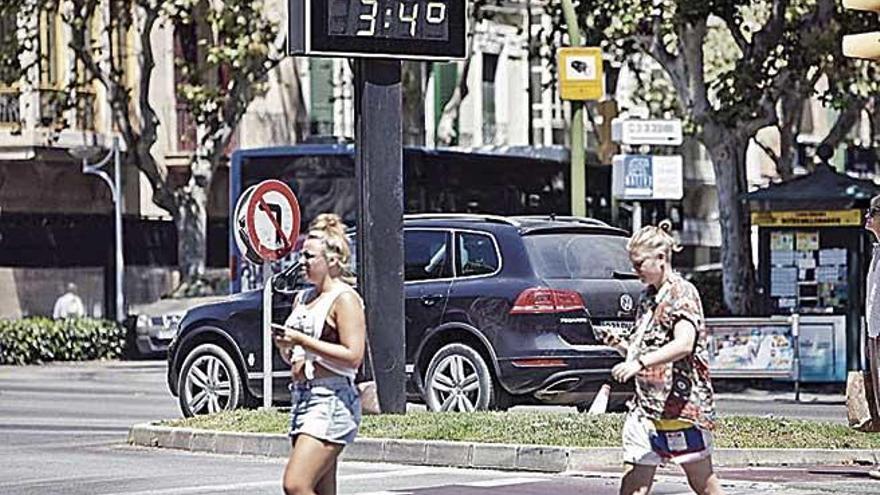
{"x":543,"y":458}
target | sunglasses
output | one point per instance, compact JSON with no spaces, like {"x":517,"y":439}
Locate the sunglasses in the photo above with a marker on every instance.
{"x":308,"y":256}
{"x":873,"y":211}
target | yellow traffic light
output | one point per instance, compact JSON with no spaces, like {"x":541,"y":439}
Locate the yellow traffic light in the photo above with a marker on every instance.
{"x":862,"y":45}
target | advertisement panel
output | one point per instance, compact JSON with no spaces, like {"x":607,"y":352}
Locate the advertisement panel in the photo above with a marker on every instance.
{"x":765,"y":348}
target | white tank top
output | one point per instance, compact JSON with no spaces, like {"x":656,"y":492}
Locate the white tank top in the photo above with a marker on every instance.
{"x":311,"y":322}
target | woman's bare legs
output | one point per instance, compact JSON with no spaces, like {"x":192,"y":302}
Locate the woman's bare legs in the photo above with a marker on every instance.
{"x":308,"y":465}
{"x":637,"y":479}
{"x":327,"y":483}
{"x":702,"y":477}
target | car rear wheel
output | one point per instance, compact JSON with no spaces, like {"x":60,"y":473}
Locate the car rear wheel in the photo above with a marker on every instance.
{"x":209,"y":382}
{"x":458,"y":380}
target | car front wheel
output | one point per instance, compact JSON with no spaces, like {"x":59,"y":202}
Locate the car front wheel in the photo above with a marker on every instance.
{"x":209,"y":382}
{"x":458,"y":380}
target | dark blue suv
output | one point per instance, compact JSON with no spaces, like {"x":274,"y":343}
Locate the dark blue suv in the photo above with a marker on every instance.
{"x":499,"y":311}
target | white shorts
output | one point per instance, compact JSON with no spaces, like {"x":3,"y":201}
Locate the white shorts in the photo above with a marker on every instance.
{"x":643,"y":444}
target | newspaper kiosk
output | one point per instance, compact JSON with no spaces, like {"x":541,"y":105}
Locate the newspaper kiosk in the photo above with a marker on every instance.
{"x":813,"y":253}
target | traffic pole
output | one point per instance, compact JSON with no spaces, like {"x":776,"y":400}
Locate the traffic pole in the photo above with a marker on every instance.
{"x":578,"y":163}
{"x":267,"y":334}
{"x":379,"y":175}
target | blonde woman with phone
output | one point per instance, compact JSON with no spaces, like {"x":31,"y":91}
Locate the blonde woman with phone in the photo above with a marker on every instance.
{"x":323,"y":340}
{"x":672,"y":415}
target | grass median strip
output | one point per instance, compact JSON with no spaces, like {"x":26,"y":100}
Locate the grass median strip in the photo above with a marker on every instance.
{"x":563,"y":429}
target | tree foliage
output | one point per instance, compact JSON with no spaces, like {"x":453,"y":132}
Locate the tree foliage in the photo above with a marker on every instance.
{"x":734,"y":67}
{"x":234,"y":46}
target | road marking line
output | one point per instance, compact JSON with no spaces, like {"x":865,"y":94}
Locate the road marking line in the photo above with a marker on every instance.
{"x":238,"y":487}
{"x":502,"y":482}
{"x":119,"y":432}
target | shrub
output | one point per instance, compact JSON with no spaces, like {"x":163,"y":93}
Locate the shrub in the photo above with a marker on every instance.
{"x":39,"y":340}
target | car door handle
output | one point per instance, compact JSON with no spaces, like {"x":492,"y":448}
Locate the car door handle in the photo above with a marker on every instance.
{"x":431,"y":300}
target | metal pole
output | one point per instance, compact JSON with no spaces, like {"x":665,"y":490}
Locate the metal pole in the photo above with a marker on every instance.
{"x":578,"y":162}
{"x":795,"y":337}
{"x":379,"y":174}
{"x":267,"y":334}
{"x":529,"y":65}
{"x":120,"y":267}
{"x":636,"y":216}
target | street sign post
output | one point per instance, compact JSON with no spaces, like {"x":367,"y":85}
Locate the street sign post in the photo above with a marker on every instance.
{"x":404,"y":29}
{"x":653,"y":132}
{"x":580,"y":73}
{"x":635,"y":177}
{"x":643,"y":177}
{"x":267,"y":220}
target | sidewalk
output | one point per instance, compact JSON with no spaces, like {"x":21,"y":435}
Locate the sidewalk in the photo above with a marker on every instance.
{"x":540,"y":458}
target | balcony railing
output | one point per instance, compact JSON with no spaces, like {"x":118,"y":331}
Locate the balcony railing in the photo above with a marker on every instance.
{"x":54,"y":103}
{"x":10,"y":113}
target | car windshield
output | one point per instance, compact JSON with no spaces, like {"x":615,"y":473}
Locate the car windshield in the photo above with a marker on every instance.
{"x":577,"y":255}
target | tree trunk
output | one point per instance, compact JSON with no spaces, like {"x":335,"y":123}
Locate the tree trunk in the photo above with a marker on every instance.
{"x":192,"y":221}
{"x":789,"y":128}
{"x":192,"y":213}
{"x":728,"y":153}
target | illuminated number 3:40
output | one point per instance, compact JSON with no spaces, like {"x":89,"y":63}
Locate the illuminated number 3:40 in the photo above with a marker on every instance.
{"x":435,"y":13}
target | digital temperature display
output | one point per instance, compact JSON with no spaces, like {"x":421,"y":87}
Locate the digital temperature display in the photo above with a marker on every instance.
{"x":398,"y":19}
{"x":413,"y":29}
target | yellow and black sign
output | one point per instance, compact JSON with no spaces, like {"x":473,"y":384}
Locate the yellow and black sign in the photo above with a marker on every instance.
{"x":580,"y":73}
{"x":807,"y":218}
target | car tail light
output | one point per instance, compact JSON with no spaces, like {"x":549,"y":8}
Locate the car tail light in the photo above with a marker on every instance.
{"x":541,"y":300}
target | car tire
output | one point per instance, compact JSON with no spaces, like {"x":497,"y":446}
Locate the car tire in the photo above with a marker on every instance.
{"x":209,"y":382}
{"x":458,"y":380}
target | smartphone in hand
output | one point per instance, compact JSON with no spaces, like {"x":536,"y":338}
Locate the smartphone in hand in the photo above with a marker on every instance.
{"x":278,"y":330}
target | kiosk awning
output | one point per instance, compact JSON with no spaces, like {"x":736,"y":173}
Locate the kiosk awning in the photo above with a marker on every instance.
{"x":825,"y":188}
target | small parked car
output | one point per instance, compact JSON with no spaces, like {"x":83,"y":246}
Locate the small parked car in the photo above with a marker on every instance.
{"x":504,"y":309}
{"x":151,"y":326}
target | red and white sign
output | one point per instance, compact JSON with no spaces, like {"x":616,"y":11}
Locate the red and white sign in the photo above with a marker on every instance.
{"x":267,"y":221}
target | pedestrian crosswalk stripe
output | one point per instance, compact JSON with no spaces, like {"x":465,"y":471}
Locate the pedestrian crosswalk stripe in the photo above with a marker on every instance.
{"x":502,"y":482}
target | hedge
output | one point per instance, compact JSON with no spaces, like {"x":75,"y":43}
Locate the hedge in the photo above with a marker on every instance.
{"x":39,"y":340}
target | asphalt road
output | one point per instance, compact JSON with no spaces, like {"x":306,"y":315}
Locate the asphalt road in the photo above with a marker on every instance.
{"x":63,"y":429}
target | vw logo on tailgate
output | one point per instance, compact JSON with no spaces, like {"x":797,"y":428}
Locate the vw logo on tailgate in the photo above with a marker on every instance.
{"x":626,"y":302}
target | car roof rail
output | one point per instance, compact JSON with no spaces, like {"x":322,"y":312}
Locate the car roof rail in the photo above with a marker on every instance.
{"x":463,"y":216}
{"x":565,"y":218}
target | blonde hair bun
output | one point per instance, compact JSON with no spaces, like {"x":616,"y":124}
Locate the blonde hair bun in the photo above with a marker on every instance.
{"x":330,"y":229}
{"x":654,"y":240}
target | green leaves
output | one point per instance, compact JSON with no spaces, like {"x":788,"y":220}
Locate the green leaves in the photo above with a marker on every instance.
{"x":39,"y":340}
{"x":231,"y":52}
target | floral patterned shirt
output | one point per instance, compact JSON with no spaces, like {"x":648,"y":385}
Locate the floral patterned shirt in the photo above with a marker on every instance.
{"x":681,"y":389}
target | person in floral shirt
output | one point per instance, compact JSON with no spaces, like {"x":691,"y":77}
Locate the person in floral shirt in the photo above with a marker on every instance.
{"x":672,"y":415}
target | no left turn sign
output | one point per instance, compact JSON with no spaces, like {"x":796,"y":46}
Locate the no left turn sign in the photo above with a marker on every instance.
{"x":268,"y":220}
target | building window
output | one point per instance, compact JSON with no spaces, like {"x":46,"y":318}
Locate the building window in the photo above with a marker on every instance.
{"x":49,"y":30}
{"x":490,"y":67}
{"x":321,"y":97}
{"x":10,"y":69}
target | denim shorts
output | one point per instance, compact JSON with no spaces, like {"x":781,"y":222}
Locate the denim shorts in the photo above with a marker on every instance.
{"x":328,"y":409}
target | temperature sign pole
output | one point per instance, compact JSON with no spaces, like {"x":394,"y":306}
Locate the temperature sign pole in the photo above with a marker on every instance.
{"x":380,"y":32}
